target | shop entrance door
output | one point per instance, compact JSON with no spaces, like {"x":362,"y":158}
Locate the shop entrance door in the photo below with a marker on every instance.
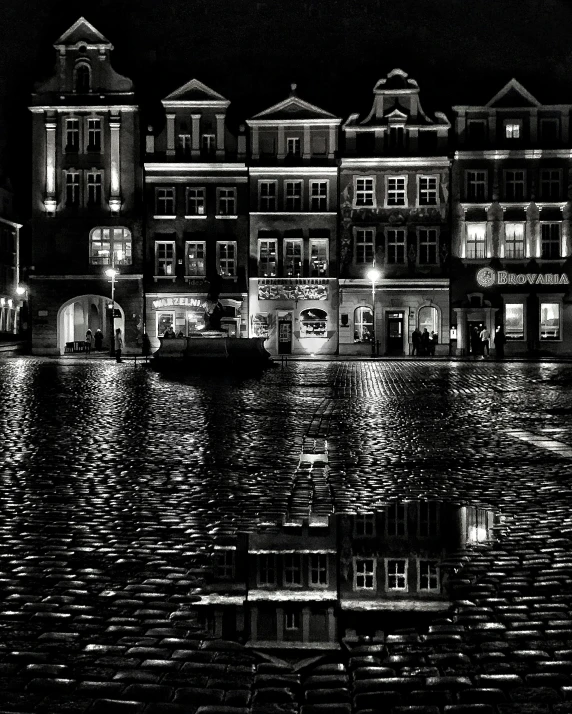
{"x":394,"y":332}
{"x":473,"y":344}
{"x":284,"y":337}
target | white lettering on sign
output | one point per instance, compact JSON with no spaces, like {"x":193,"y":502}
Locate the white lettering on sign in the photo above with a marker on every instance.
{"x":177,"y":302}
{"x":487,"y":277}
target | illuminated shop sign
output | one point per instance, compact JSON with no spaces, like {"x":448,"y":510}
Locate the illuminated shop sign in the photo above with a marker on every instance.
{"x":292,"y":292}
{"x":177,"y":302}
{"x":487,"y":277}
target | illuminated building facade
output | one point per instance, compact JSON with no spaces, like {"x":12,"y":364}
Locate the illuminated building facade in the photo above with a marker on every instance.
{"x":511,"y":208}
{"x":394,"y":203}
{"x":86,"y":198}
{"x":13,"y":292}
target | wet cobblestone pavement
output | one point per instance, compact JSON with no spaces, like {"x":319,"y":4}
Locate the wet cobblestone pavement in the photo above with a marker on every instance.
{"x":117,"y":482}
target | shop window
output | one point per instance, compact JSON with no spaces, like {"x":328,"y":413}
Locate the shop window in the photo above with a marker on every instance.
{"x":224,"y":564}
{"x":293,"y":195}
{"x":318,"y":195}
{"x":110,"y":246}
{"x":364,"y":525}
{"x":292,"y":569}
{"x":396,"y":515}
{"x":427,"y":240}
{"x":396,"y":574}
{"x":396,"y":190}
{"x":195,"y":258}
{"x":364,"y":574}
{"x":514,"y":321}
{"x":395,"y":254}
{"x":313,"y":323}
{"x":514,"y":240}
{"x":226,"y":258}
{"x":164,"y":258}
{"x":165,"y":201}
{"x":476,"y":182}
{"x":165,"y":320}
{"x":291,"y":620}
{"x":549,"y":321}
{"x":266,"y":574}
{"x":226,"y":202}
{"x":550,"y":241}
{"x":293,"y":258}
{"x":514,"y":185}
{"x":364,"y":191}
{"x":195,"y":321}
{"x":318,"y":569}
{"x":428,"y":519}
{"x":267,"y":195}
{"x":267,"y":258}
{"x":364,"y":252}
{"x":475,"y":241}
{"x":196,"y":202}
{"x":318,"y":258}
{"x":550,"y":182}
{"x":428,"y":190}
{"x":363,"y":324}
{"x":428,"y":576}
{"x":260,"y":325}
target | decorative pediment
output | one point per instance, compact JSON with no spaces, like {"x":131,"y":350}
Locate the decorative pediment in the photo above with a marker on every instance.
{"x":82,"y":32}
{"x":195,"y":91}
{"x":294,"y":108}
{"x":396,"y":116}
{"x":398,"y":80}
{"x":513,"y":94}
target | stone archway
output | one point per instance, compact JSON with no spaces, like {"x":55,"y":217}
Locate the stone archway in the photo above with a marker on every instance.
{"x":85,"y":312}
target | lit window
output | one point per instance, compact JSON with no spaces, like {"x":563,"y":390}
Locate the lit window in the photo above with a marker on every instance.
{"x":195,"y":258}
{"x":267,"y":258}
{"x":476,"y":185}
{"x":267,"y":195}
{"x":396,"y":515}
{"x":514,"y":321}
{"x":363,"y":324}
{"x":318,"y":258}
{"x":396,"y":186}
{"x":208,"y":143}
{"x":427,"y":246}
{"x":395,"y":246}
{"x":94,"y":134}
{"x":72,"y":188}
{"x":292,"y":569}
{"x":477,"y":525}
{"x":313,"y":323}
{"x":364,"y":191}
{"x":224,"y":564}
{"x":550,"y":184}
{"x":514,"y":240}
{"x":428,"y":524}
{"x":550,"y":241}
{"x":293,"y":146}
{"x":226,"y":258}
{"x":72,"y":135}
{"x":512,"y":129}
{"x":293,"y":193}
{"x":364,"y":525}
{"x":318,"y":569}
{"x":514,"y":185}
{"x":291,"y":620}
{"x":195,"y":202}
{"x":549,"y":321}
{"x":226,"y":201}
{"x":364,"y":246}
{"x":165,"y":201}
{"x":110,"y":246}
{"x":293,"y":258}
{"x":185,"y":143}
{"x":266,"y":569}
{"x":476,"y":240}
{"x":164,"y":321}
{"x":165,"y":258}
{"x":318,"y":195}
{"x":429,"y":576}
{"x":396,"y":574}
{"x":364,"y":574}
{"x":427,"y":190}
{"x":94,"y":186}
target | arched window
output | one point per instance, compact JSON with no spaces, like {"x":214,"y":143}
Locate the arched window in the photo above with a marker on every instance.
{"x":313,"y":323}
{"x":110,"y":246}
{"x":363,"y":324}
{"x":428,"y":319}
{"x":82,"y":78}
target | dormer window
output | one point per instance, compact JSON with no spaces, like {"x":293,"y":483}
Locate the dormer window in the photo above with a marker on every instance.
{"x":208,"y":143}
{"x":82,"y":78}
{"x":293,"y":146}
{"x":513,"y":129}
{"x":396,"y":137}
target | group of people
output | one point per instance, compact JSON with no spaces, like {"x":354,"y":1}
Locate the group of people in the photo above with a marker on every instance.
{"x":169,"y":333}
{"x":423,"y":343}
{"x":93,"y":341}
{"x":481,"y":341}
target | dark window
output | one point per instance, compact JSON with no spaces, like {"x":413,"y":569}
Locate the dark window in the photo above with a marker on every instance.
{"x":476,"y":132}
{"x":82,"y":79}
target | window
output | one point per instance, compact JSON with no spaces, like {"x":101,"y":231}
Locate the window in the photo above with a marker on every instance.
{"x":396,"y":246}
{"x":195,"y":258}
{"x":208,"y":143}
{"x":476,"y":131}
{"x":364,"y":525}
{"x":226,"y":258}
{"x":427,"y":246}
{"x":260,"y":325}
{"x":226,"y":201}
{"x":427,"y":191}
{"x":363,"y":324}
{"x":396,"y":574}
{"x":476,"y":185}
{"x":164,"y":321}
{"x":550,"y":241}
{"x":82,"y":78}
{"x":318,"y":569}
{"x":514,"y":240}
{"x":313,"y":323}
{"x":94,"y":186}
{"x":195,"y":202}
{"x":165,"y":201}
{"x":291,"y":620}
{"x":396,"y":137}
{"x":165,"y":258}
{"x":318,"y":195}
{"x":185,"y":143}
{"x":224,"y":564}
{"x":364,"y":191}
{"x":292,"y":569}
{"x":267,"y":258}
{"x":428,"y":319}
{"x":72,"y":135}
{"x":293,"y":146}
{"x":514,"y":185}
{"x":476,"y":240}
{"x":550,"y":184}
{"x":477,"y":525}
{"x":364,"y":246}
{"x":267,"y":195}
{"x":428,"y":576}
{"x":110,"y":246}
{"x":549,"y":321}
{"x":396,"y":519}
{"x":293,"y":194}
{"x":549,"y":130}
{"x":94,"y":134}
{"x":514,"y":321}
{"x":428,"y":514}
{"x":266,"y":569}
{"x":318,"y":258}
{"x":513,"y":129}
{"x":395,"y":189}
{"x":72,"y":188}
{"x":293,"y":258}
{"x":364,"y":574}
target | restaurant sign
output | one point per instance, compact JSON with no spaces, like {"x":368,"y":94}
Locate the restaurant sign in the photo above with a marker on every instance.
{"x":177,"y":302}
{"x":487,"y":278}
{"x":292,"y":292}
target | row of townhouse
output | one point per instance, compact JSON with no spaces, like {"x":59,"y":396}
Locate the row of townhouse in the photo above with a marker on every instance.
{"x":283,"y":217}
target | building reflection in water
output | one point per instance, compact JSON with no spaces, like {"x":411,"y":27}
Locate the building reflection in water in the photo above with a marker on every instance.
{"x":315,"y":582}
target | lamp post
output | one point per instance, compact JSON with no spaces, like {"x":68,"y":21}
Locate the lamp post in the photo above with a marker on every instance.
{"x":111,"y":273}
{"x":373,"y":275}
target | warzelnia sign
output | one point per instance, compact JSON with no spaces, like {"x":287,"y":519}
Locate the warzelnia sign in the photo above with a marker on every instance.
{"x":487,"y":278}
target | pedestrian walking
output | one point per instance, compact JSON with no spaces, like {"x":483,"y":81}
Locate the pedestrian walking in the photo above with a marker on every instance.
{"x":433,"y":343}
{"x":425,"y":340}
{"x":475,"y":342}
{"x":98,"y":340}
{"x":88,"y":340}
{"x":499,"y":340}
{"x":415,"y":342}
{"x":485,"y":337}
{"x":118,"y":344}
{"x":146,"y":345}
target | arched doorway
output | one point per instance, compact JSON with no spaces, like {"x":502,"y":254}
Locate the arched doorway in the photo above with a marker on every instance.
{"x":85,"y":312}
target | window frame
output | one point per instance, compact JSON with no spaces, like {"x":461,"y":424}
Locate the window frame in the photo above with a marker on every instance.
{"x":367,"y":522}
{"x":550,"y":300}
{"x":512,"y":123}
{"x":188,"y":244}
{"x":321,"y":242}
{"x":234,"y":244}
{"x":373,"y":573}
{"x":319,"y":569}
{"x":506,"y":224}
{"x":296,"y":241}
{"x":95,"y":173}
{"x":431,"y":563}
{"x":433,"y":519}
{"x":95,"y":148}
{"x":229,"y":199}
{"x":319,"y":198}
{"x":550,"y":182}
{"x":395,"y":191}
{"x":75,"y":185}
{"x":472,"y":225}
{"x":510,"y":301}
{"x":425,"y":242}
{"x":126,"y":240}
{"x":172,"y":244}
{"x":405,"y":575}
{"x":299,"y":197}
{"x":165,"y":199}
{"x":551,"y":241}
{"x":222,"y":570}
{"x":359,"y":326}
{"x":208,"y":143}
{"x":81,"y":65}
{"x":396,"y":244}
{"x":304,"y":322}
{"x":365,"y":193}
{"x":259,"y":257}
{"x":189,"y":201}
{"x":398,"y":520}
{"x":269,"y":567}
{"x":420,"y":190}
{"x":66,"y":131}
{"x":274,"y":196}
{"x":476,"y":183}
{"x":297,"y":146}
{"x":295,"y":620}
{"x":363,"y":245}
{"x":292,"y":569}
{"x":514,"y":183}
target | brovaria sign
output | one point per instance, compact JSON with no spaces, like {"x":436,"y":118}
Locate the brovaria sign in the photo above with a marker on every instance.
{"x":487,"y":277}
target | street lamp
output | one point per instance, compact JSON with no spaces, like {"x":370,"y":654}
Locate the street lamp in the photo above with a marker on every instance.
{"x":111,"y":273}
{"x":373,"y":275}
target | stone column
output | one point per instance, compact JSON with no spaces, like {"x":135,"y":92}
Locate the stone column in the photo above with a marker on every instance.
{"x":219,"y":134}
{"x":279,"y":624}
{"x":281,"y":143}
{"x":50,"y":197}
{"x":331,"y":625}
{"x":195,"y":134}
{"x":565,"y":125}
{"x":534,"y":126}
{"x":170,"y":134}
{"x":306,"y":147}
{"x":115,"y":183}
{"x":255,"y":146}
{"x":492,"y":128}
{"x":306,"y":624}
{"x":332,"y":142}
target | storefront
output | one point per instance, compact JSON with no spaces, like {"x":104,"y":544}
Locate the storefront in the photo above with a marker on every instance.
{"x":295,"y":315}
{"x":533,"y":310}
{"x":400,"y":307}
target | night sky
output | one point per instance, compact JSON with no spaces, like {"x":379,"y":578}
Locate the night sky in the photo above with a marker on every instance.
{"x":460,"y":51}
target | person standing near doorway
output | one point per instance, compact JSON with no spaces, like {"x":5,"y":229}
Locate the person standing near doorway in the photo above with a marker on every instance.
{"x":118,"y":344}
{"x":415,"y":342}
{"x":88,"y":339}
{"x":485,"y":337}
{"x":98,"y":340}
{"x":475,"y":342}
{"x":499,"y":341}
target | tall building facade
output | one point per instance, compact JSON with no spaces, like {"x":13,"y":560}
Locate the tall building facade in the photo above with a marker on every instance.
{"x":86,"y":198}
{"x":13,"y":291}
{"x":394,"y":190}
{"x":511,"y":215}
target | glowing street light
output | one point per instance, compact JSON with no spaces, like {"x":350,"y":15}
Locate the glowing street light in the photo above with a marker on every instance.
{"x":373,"y":275}
{"x":112,"y":273}
{"x":20,"y":290}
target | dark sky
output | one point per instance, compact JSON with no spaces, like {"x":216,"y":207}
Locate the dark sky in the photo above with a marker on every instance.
{"x":460,"y":51}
